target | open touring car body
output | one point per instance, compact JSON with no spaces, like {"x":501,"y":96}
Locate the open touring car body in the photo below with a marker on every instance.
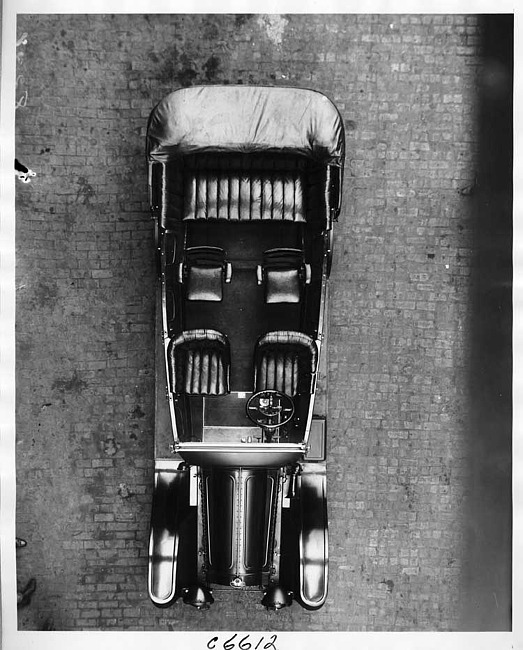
{"x":244,"y":185}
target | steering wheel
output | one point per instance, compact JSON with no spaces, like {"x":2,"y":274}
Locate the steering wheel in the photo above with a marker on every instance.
{"x":270,"y":409}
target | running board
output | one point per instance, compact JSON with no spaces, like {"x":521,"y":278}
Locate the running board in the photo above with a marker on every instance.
{"x":172,"y":521}
{"x":313,"y":536}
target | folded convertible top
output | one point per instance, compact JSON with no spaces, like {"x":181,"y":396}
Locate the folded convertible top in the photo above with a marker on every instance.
{"x":246,"y":119}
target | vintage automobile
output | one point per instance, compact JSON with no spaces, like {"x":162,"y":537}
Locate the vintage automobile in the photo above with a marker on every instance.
{"x":244,"y":185}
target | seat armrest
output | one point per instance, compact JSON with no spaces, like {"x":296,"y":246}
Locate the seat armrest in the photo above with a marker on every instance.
{"x":228,"y":272}
{"x":180,"y":274}
{"x":307,"y":273}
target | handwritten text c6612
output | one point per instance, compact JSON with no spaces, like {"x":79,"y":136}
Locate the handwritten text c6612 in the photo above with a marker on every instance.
{"x":246,"y":642}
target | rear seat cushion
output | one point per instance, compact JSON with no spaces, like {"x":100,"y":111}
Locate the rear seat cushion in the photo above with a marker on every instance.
{"x":240,"y":188}
{"x":285,"y":361}
{"x":199,"y":363}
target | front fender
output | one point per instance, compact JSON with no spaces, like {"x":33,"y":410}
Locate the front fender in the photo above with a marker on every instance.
{"x":313,"y":536}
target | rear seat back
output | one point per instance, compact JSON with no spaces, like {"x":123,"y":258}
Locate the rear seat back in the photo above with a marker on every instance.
{"x":247,"y":187}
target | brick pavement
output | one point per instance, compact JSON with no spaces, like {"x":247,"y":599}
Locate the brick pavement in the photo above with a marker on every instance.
{"x":400,"y":476}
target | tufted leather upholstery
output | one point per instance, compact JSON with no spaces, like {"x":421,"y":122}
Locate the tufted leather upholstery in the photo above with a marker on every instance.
{"x":285,"y":361}
{"x":284,"y":274}
{"x":243,"y":192}
{"x":245,"y":188}
{"x":199,"y":363}
{"x":203,"y":273}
